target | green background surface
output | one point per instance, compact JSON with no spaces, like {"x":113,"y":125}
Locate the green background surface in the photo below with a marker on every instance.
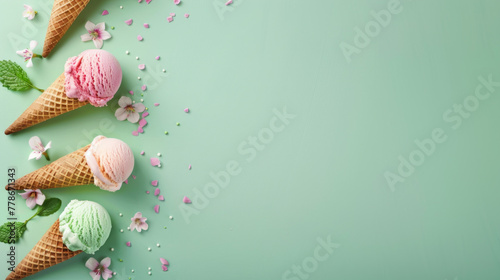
{"x":321,"y":177}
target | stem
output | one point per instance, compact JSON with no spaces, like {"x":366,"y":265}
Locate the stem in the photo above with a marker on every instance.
{"x":25,"y":222}
{"x":46,"y":155}
{"x":39,"y":89}
{"x":37,"y":55}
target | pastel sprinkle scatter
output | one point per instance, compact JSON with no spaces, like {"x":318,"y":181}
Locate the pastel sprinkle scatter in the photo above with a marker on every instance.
{"x":157,"y":208}
{"x":131,"y":92}
{"x":142,"y":153}
{"x":121,"y":215}
{"x":105,"y":12}
{"x":145,"y":114}
{"x":157,"y":58}
{"x":166,"y":132}
{"x":177,"y":2}
{"x":161,"y":197}
{"x":157,"y":104}
{"x":157,"y":245}
{"x":135,"y":132}
{"x":170,"y":19}
{"x":138,"y":78}
{"x":127,"y":52}
{"x":158,"y":154}
{"x":128,"y":243}
{"x":142,"y":66}
{"x":155,"y":161}
{"x":121,"y":7}
{"x":172,"y":14}
{"x":140,"y":130}
{"x":133,"y":176}
{"x":143,"y":122}
{"x":129,"y":21}
{"x":157,"y":191}
{"x":112,"y":28}
{"x":144,"y":87}
{"x":126,"y":182}
{"x":137,"y":58}
{"x":147,"y":192}
{"x":146,"y":25}
{"x":120,"y":260}
{"x":154,"y":183}
{"x":148,"y":1}
{"x":186,"y":110}
{"x":149,"y":249}
{"x":189,"y":167}
{"x":186,"y":15}
{"x":171,"y":217}
{"x":164,"y":261}
{"x":229,"y":2}
{"x":186,"y":200}
{"x":139,"y":37}
{"x":163,"y":70}
{"x":164,"y":268}
{"x":177,"y":124}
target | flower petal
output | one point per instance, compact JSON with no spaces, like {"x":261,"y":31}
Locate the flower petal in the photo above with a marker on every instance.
{"x":163,"y":261}
{"x":29,"y":64}
{"x":39,"y":156}
{"x":89,"y":26}
{"x":92,"y":264}
{"x":124,"y":101}
{"x":28,"y":7}
{"x":145,"y":226}
{"x":133,"y":117}
{"x":33,"y":44}
{"x":48,"y":146}
{"x":86,"y":37}
{"x":21,"y":52}
{"x":107,"y":274}
{"x":36,"y":144}
{"x":121,"y":114}
{"x":34,"y":154}
{"x":106,"y":262}
{"x":137,"y":215}
{"x":101,"y":26}
{"x":105,"y":35}
{"x":98,"y":43}
{"x":31,"y":202}
{"x":139,"y":107}
{"x":132,"y":226}
{"x":95,"y":275}
{"x":26,"y":194}
{"x":40,"y":198}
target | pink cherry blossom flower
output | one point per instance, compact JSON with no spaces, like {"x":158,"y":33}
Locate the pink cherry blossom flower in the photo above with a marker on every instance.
{"x":28,"y":12}
{"x":99,"y":269}
{"x":96,"y":33}
{"x":38,"y":148}
{"x":129,"y":110}
{"x":138,"y":222}
{"x":33,"y":197}
{"x":28,"y":54}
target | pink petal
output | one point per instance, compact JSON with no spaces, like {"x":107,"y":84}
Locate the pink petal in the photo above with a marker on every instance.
{"x":161,"y":197}
{"x":145,"y":114}
{"x":128,"y":22}
{"x":186,"y":15}
{"x":177,"y":2}
{"x":128,"y":244}
{"x":95,"y":275}
{"x":105,"y":12}
{"x":139,"y":37}
{"x":139,"y":107}
{"x":40,"y":198}
{"x":106,"y":262}
{"x":107,"y":274}
{"x":186,"y":110}
{"x":31,"y":202}
{"x":157,"y":191}
{"x":163,"y":261}
{"x":229,"y":2}
{"x":126,"y":181}
{"x":164,"y":268}
{"x":131,"y":92}
{"x":155,"y":161}
{"x":27,"y":194}
{"x":157,"y":104}
{"x":92,"y":264}
{"x":135,"y":133}
{"x":157,"y":208}
{"x":154,"y":183}
{"x":170,"y":19}
{"x":144,"y":87}
{"x":143,"y":122}
{"x":186,"y":200}
{"x":137,"y":215}
{"x":121,"y":114}
{"x":142,"y":66}
{"x":144,"y":226}
{"x":125,"y":101}
{"x":140,"y":130}
{"x":133,"y":176}
{"x":133,"y":117}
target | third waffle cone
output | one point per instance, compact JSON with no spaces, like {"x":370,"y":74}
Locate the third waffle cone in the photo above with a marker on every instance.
{"x":64,"y":13}
{"x":51,"y":103}
{"x":49,"y":251}
{"x":70,"y":170}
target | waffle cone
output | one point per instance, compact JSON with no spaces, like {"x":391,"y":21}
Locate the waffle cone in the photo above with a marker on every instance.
{"x":51,"y":103}
{"x":50,"y":250}
{"x":70,"y":170}
{"x":64,"y":13}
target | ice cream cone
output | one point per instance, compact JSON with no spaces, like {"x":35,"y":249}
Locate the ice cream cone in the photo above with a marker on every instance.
{"x":51,"y":103}
{"x":70,"y":170}
{"x":64,"y":13}
{"x":50,"y":250}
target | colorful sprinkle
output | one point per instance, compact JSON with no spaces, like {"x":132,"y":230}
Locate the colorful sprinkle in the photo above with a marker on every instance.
{"x":105,"y":12}
{"x":186,"y":110}
{"x":170,"y":19}
{"x":131,"y":92}
{"x":164,"y":268}
{"x":177,"y":2}
{"x":143,"y":122}
{"x":172,"y":14}
{"x":142,"y":66}
{"x":133,"y":176}
{"x":155,"y":161}
{"x":186,"y":200}
{"x":129,"y":21}
{"x":177,"y":124}
{"x":145,"y":114}
{"x":135,"y":132}
{"x":157,"y":104}
{"x":126,"y":181}
{"x":229,"y":2}
{"x":144,"y":87}
{"x":186,"y":15}
{"x":161,"y":198}
{"x":157,"y":208}
{"x":157,"y":58}
{"x":146,"y":25}
{"x":157,"y":191}
{"x":142,"y":153}
{"x":147,"y":192}
{"x":139,"y":37}
{"x":164,"y":261}
{"x":154,"y":183}
{"x":189,"y":167}
{"x":166,"y":132}
{"x":148,"y":1}
{"x":128,"y":243}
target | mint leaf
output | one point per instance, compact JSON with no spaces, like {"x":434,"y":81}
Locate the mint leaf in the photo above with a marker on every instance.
{"x":50,"y":206}
{"x":13,"y":77}
{"x":10,"y":232}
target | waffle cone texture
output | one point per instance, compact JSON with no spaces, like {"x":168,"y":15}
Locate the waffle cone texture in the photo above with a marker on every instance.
{"x":51,"y":103}
{"x":70,"y":170}
{"x":50,"y":250}
{"x":64,"y":13}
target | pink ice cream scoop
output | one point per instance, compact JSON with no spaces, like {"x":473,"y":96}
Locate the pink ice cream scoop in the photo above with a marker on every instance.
{"x":94,"y":76}
{"x":111,"y":162}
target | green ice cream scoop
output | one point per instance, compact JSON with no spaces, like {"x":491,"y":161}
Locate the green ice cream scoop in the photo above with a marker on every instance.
{"x":85,"y":225}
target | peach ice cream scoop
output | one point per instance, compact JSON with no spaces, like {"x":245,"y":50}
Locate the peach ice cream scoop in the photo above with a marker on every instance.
{"x":93,"y":76}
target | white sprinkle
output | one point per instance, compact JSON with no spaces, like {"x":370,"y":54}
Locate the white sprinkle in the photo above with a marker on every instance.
{"x":149,"y":268}
{"x":127,"y":52}
{"x":159,"y":165}
{"x":157,"y":244}
{"x":114,"y":273}
{"x":132,"y":271}
{"x":121,"y":7}
{"x":138,"y":78}
{"x":158,"y":154}
{"x":171,"y":218}
{"x":142,"y":100}
{"x":112,"y":249}
{"x":163,"y":70}
{"x":121,"y":230}
{"x":149,"y":249}
{"x":149,"y":273}
{"x":137,"y":58}
{"x":133,"y":101}
{"x":128,"y":228}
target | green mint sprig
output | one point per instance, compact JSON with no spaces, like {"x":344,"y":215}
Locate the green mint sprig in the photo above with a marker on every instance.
{"x":49,"y":207}
{"x":13,"y":77}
